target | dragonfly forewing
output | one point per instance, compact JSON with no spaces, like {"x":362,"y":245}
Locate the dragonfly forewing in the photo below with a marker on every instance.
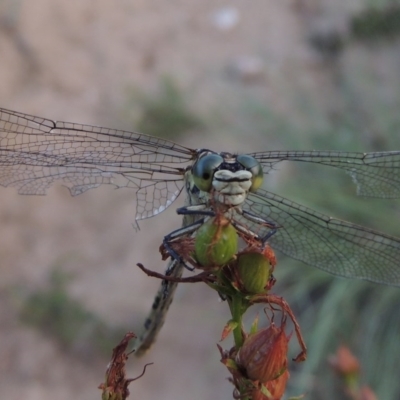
{"x":37,"y":152}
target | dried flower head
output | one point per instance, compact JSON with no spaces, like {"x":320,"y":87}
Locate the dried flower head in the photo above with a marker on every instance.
{"x":263,"y":355}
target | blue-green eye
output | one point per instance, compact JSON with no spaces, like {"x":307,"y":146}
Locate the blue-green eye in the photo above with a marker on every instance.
{"x":203,"y":171}
{"x":252,"y":165}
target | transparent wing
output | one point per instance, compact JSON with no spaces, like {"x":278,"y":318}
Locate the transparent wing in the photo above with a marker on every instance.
{"x":375,"y":174}
{"x":338,"y":247}
{"x":37,"y":152}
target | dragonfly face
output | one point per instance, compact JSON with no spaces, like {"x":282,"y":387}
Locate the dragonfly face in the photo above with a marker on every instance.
{"x":228,"y":178}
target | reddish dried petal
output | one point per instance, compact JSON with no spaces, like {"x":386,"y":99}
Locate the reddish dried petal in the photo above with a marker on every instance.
{"x":344,"y":362}
{"x":264,"y":354}
{"x":366,"y":393}
{"x":276,"y":389}
{"x":277,"y":386}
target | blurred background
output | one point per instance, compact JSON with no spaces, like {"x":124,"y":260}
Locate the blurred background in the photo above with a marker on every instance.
{"x":228,"y":75}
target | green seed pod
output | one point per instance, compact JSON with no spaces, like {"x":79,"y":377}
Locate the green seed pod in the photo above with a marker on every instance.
{"x":216,"y":242}
{"x":254,"y":271}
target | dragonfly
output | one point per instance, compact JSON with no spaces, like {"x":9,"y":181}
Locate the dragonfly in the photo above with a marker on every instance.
{"x":37,"y":152}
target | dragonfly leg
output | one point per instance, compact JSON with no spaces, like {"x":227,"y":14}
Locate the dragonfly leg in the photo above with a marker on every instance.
{"x":200,"y":209}
{"x":177,"y":234}
{"x":260,"y":221}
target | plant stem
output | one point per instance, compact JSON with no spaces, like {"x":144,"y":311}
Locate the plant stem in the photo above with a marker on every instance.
{"x":237,"y":310}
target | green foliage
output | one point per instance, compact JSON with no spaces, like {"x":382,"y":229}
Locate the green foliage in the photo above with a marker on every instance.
{"x":66,"y":320}
{"x":165,"y":114}
{"x":376,"y":23}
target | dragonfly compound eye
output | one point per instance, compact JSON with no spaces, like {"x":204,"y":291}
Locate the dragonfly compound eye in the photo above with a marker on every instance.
{"x":203,"y":171}
{"x":252,"y":165}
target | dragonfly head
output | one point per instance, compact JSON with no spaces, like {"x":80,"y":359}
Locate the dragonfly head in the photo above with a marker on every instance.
{"x":230,"y":177}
